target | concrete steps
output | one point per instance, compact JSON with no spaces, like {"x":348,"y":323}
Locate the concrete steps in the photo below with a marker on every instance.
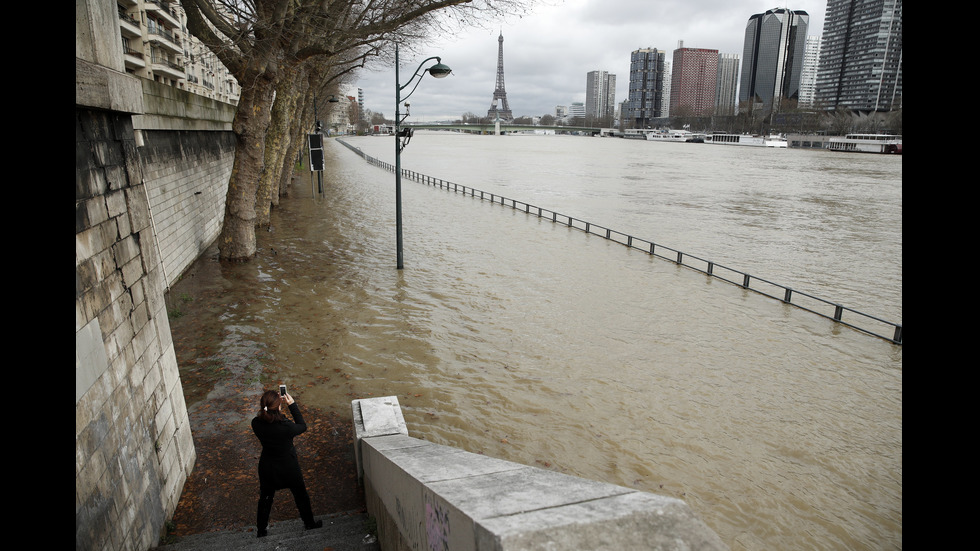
{"x":340,"y":532}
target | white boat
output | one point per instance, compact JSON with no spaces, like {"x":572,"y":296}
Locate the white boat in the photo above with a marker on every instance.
{"x":635,"y":134}
{"x":674,"y":136}
{"x":867,"y":143}
{"x":746,"y":140}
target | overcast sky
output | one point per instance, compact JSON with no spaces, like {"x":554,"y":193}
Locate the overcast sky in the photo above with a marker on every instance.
{"x":548,"y":53}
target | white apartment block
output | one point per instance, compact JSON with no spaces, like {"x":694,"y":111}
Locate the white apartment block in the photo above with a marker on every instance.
{"x":600,"y":95}
{"x":726,"y":91}
{"x":158,"y":47}
{"x":808,"y":78}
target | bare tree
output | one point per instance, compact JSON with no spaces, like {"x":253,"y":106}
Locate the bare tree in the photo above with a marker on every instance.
{"x":272,"y":47}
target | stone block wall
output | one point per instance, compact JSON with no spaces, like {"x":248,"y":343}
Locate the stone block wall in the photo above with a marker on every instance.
{"x":187,"y":150}
{"x":133,"y":444}
{"x":186,"y":176}
{"x":150,"y":161}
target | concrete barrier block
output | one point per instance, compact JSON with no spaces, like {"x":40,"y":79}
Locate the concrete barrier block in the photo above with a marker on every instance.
{"x":399,"y":494}
{"x":634,"y":520}
{"x":375,"y":417}
{"x":430,"y":462}
{"x":378,"y":417}
{"x":441,"y":497}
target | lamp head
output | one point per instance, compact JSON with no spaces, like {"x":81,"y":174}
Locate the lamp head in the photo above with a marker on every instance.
{"x":439,"y":70}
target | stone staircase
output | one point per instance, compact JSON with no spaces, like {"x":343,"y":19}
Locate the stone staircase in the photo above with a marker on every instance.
{"x":340,"y":532}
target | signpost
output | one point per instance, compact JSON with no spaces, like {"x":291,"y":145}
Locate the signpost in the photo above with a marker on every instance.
{"x":316,"y":159}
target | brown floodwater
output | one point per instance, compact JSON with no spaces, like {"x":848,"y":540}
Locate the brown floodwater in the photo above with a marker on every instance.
{"x":512,"y":336}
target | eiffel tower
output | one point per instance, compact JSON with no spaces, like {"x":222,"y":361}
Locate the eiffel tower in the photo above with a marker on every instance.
{"x":499,"y":94}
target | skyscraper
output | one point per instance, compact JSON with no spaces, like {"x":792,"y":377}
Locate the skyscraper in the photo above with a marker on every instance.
{"x":693,"y":82}
{"x":808,"y":78}
{"x":646,"y":90}
{"x":727,"y":84}
{"x":861,"y":56}
{"x":773,"y":56}
{"x":600,"y":96}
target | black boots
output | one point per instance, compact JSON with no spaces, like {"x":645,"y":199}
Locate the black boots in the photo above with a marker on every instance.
{"x":315,"y":525}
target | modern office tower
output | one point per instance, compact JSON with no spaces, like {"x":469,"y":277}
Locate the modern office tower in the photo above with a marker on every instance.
{"x":693,"y":82}
{"x":773,"y":57}
{"x":499,"y":107}
{"x":808,"y":77}
{"x":725,"y":93}
{"x":576,"y":110}
{"x":646,"y":92}
{"x":861,"y":56}
{"x":600,"y":96}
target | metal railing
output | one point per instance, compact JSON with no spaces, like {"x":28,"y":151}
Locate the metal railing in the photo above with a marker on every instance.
{"x":828,"y":309}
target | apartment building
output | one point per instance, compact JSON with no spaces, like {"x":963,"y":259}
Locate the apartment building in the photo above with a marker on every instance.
{"x":158,"y":47}
{"x":861,"y":56}
{"x":694,"y":81}
{"x":646,"y":98}
{"x":600,"y":96}
{"x":808,"y":78}
{"x":727,"y":88}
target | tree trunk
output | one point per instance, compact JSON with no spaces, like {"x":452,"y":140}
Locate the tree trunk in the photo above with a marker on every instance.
{"x":304,"y":117}
{"x":237,"y":239}
{"x":277,"y":141}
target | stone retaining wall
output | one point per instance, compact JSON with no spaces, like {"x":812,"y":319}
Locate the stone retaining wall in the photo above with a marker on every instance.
{"x":151,"y":169}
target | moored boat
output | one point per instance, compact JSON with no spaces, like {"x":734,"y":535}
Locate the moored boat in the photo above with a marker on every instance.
{"x":746,"y":140}
{"x":867,"y":143}
{"x":634,"y":134}
{"x":674,"y":136}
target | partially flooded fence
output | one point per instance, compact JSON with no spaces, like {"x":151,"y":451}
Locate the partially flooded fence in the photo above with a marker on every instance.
{"x":828,"y":309}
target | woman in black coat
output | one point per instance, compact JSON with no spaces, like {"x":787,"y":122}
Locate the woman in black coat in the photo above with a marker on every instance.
{"x":278,"y":464}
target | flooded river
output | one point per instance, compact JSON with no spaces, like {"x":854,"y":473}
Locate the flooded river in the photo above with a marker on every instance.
{"x":509,"y":335}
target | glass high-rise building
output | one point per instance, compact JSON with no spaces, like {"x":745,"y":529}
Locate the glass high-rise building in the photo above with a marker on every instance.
{"x":861,"y":56}
{"x":772,"y":56}
{"x":646,"y":92}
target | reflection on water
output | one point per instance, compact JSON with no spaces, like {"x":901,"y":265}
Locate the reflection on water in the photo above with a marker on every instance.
{"x":508,"y":335}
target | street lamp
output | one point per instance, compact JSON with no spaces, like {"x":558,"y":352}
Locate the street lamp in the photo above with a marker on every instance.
{"x":402,"y":137}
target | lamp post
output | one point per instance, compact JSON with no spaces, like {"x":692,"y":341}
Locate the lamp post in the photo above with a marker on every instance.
{"x":402,"y":137}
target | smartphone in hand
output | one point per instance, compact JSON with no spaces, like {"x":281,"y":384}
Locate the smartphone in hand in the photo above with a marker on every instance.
{"x":282,"y":390}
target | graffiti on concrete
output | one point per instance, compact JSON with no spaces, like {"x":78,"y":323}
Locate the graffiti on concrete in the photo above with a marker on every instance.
{"x":436,"y":523}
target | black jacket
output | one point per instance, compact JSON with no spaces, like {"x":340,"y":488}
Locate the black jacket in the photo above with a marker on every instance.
{"x":278,"y":464}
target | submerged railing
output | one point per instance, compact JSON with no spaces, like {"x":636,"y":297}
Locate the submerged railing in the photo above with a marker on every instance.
{"x":828,"y":309}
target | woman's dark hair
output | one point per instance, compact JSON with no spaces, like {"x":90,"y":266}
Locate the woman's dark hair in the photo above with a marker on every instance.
{"x":269,"y":407}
